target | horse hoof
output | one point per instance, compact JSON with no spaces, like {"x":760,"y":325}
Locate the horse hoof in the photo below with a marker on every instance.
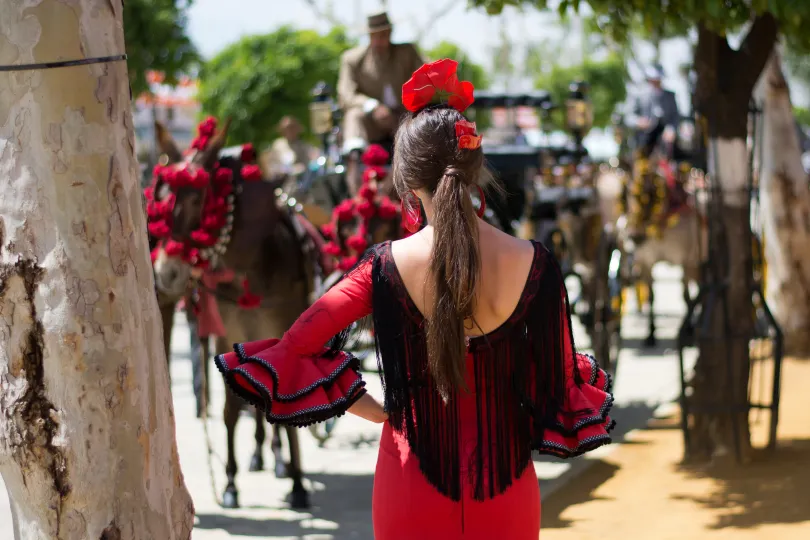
{"x":256,"y":463}
{"x":281,"y":469}
{"x":230,"y":499}
{"x":650,"y":342}
{"x":299,"y":500}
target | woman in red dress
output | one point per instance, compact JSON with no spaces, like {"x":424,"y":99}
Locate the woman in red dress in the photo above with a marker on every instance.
{"x":474,"y":344}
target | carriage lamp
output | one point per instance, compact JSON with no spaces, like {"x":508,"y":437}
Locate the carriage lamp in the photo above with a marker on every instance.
{"x":320,"y":109}
{"x":578,"y":109}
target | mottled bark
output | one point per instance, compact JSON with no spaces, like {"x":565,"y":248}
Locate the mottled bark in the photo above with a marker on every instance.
{"x":725,"y":82}
{"x":87,"y":446}
{"x":785,"y":214}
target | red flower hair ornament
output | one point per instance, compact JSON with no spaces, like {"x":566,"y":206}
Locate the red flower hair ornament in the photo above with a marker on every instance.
{"x":439,"y":79}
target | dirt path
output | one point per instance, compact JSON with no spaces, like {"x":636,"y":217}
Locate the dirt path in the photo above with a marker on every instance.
{"x":641,"y":492}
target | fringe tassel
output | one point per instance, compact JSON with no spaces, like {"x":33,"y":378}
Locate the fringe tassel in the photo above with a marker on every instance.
{"x":510,"y":412}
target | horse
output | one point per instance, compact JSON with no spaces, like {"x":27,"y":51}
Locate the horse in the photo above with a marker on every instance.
{"x":656,"y":220}
{"x":224,"y":215}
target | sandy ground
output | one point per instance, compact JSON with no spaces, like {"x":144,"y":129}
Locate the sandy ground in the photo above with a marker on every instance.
{"x":642,"y":491}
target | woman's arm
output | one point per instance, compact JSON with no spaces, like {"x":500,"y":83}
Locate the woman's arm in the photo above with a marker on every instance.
{"x":348,"y":301}
{"x":369,"y":409}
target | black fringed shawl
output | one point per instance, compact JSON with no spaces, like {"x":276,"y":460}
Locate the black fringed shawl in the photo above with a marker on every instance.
{"x":518,"y":380}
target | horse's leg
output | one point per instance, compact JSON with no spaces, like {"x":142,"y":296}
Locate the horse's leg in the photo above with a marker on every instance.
{"x":650,"y":341}
{"x":233,"y":406}
{"x":299,"y":497}
{"x":278,"y":458}
{"x":257,"y":461}
{"x":197,"y":360}
{"x":206,"y":362}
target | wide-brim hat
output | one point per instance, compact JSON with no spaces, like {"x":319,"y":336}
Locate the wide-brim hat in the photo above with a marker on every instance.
{"x":378,"y":22}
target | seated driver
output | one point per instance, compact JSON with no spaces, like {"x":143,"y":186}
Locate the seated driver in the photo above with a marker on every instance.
{"x":370,"y":90}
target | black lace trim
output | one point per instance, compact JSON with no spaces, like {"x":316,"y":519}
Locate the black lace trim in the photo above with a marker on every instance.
{"x":604,"y":409}
{"x":584,"y":446}
{"x":589,"y":443}
{"x":263,"y":398}
{"x":350,"y":361}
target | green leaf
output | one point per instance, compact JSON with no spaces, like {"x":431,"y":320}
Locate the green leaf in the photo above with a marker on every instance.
{"x":156,"y":39}
{"x":260,"y":79}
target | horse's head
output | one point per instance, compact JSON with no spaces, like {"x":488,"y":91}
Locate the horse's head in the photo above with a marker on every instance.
{"x":191,"y":203}
{"x":188,"y":176}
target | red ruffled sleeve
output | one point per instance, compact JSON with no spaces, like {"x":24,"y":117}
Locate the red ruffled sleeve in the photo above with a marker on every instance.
{"x":584,"y":423}
{"x":297,"y":380}
{"x":581,"y":421}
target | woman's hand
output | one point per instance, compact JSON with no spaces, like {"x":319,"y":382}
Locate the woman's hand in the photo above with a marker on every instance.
{"x":368,"y":408}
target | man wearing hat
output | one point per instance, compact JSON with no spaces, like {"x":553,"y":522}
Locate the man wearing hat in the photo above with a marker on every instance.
{"x":370,"y":87}
{"x":655,"y":114}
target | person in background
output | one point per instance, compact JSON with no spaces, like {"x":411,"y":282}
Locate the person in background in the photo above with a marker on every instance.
{"x":370,"y":90}
{"x":655,"y":114}
{"x":289,"y":154}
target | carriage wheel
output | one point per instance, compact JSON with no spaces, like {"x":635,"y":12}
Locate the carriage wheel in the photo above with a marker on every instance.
{"x":607,"y":303}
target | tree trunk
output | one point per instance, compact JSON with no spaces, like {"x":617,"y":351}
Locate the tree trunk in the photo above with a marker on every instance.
{"x":785,"y":213}
{"x":725,"y":82}
{"x":87,"y":440}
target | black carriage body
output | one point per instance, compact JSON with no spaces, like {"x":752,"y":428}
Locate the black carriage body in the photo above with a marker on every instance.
{"x":516,"y":165}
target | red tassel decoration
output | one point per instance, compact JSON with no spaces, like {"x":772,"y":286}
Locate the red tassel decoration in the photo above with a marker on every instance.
{"x":387,"y":209}
{"x":357,"y":243}
{"x":201,"y":179}
{"x":366,"y":209}
{"x":223,"y":176}
{"x":328,"y":231}
{"x":251,"y":173}
{"x":375,"y":155}
{"x":248,"y":153}
{"x":374,"y":173}
{"x":204,"y":238}
{"x":367,"y":192}
{"x":174,"y":248}
{"x":330,"y":248}
{"x":346,"y":263}
{"x":248,"y":300}
{"x":159,"y":229}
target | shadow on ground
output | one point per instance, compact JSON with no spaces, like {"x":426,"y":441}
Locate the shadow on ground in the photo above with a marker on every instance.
{"x":774,"y":488}
{"x":334,"y":512}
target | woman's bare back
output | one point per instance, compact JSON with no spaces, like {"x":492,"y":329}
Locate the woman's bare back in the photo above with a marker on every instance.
{"x":505,"y":265}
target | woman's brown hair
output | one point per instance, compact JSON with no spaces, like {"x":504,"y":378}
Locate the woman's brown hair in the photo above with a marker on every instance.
{"x":427,"y":157}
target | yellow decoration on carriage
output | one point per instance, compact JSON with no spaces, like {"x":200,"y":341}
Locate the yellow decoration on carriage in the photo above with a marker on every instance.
{"x":673,"y":220}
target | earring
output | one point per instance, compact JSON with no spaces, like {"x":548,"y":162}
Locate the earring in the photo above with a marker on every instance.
{"x":483,"y":207}
{"x":411,"y":213}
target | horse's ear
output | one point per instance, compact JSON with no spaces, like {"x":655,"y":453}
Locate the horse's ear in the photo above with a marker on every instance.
{"x":165,"y":142}
{"x":217,"y":143}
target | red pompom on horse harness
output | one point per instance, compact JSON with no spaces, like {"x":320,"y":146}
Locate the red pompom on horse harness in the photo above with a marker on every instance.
{"x":368,"y":205}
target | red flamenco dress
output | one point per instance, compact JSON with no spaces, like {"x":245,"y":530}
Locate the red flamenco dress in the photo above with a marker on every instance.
{"x":455,"y":468}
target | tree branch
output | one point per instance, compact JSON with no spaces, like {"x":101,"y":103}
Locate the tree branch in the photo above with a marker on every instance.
{"x":323,"y":15}
{"x":434,"y":17}
{"x":756,"y":49}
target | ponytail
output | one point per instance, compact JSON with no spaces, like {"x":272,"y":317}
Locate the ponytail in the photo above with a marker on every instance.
{"x":455,"y":266}
{"x":428,"y":156}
